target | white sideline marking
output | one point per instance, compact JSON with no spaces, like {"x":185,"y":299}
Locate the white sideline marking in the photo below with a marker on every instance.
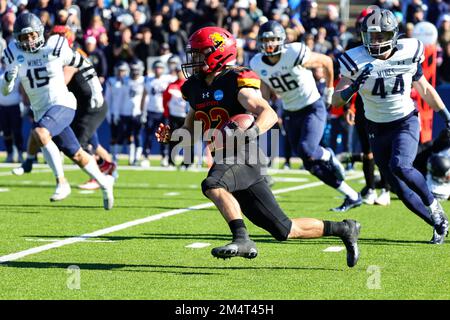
{"x":86,"y":191}
{"x":4,"y":189}
{"x":334,"y":249}
{"x":55,"y":240}
{"x":129,"y":224}
{"x":171,"y":194}
{"x":198,"y":245}
{"x":289,"y":179}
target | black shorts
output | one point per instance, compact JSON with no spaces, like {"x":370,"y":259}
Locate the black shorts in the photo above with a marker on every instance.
{"x":86,"y":122}
{"x":253,"y":194}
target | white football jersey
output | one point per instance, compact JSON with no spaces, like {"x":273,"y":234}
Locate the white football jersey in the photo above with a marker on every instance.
{"x":134,"y":98}
{"x":41,"y":74}
{"x":116,"y":94}
{"x":155,"y":88}
{"x":292,"y":82}
{"x":387,"y":92}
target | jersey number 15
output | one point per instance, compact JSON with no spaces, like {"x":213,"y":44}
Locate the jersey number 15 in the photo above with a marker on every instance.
{"x":38,"y":77}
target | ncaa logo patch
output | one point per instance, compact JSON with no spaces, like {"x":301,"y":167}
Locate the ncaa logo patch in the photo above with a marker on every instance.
{"x":218,"y":95}
{"x":20,"y":58}
{"x":264,"y":72}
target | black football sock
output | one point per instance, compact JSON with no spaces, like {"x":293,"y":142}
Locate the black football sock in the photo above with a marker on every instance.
{"x":333,"y":228}
{"x":369,"y":175}
{"x":238,"y":229}
{"x":356,"y":157}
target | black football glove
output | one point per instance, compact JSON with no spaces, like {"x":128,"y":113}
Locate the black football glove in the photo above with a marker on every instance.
{"x":360,"y":80}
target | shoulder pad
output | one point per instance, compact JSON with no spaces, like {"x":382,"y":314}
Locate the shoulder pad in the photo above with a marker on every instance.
{"x":247,"y":78}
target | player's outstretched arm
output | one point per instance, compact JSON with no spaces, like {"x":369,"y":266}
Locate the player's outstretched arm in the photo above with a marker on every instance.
{"x":7,"y":83}
{"x":251,"y":99}
{"x":321,"y":60}
{"x":337,"y":99}
{"x":432,"y":98}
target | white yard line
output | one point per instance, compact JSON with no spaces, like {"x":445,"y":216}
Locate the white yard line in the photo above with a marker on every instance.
{"x":156,"y":168}
{"x":56,"y":240}
{"x":129,"y":224}
{"x":334,"y":249}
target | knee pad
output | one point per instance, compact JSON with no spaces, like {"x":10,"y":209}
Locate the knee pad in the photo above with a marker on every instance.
{"x":401,"y":172}
{"x":210,"y":183}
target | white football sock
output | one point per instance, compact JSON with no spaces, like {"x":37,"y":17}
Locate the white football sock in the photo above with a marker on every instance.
{"x":138,"y":153}
{"x":326,"y":155}
{"x":345,"y":189}
{"x":53,"y":158}
{"x":93,"y":170}
{"x":131,"y":153}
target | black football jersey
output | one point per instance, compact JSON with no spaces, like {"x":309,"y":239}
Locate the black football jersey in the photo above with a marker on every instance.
{"x":216,"y":103}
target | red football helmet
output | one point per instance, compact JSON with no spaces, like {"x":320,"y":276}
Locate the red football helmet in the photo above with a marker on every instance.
{"x":209,"y":50}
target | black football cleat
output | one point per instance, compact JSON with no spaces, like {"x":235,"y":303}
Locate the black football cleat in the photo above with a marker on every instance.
{"x":350,"y":240}
{"x":348,"y":204}
{"x":237,"y":248}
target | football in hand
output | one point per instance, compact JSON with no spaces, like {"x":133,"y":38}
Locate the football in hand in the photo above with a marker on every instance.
{"x":242,"y":121}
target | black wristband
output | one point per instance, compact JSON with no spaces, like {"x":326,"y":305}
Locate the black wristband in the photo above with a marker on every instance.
{"x":445,"y":115}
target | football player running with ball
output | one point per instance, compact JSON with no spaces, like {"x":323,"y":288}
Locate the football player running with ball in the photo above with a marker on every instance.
{"x":216,"y":91}
{"x":383,"y":70}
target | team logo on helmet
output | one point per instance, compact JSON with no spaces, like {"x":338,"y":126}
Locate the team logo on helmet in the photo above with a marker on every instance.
{"x":219,"y":40}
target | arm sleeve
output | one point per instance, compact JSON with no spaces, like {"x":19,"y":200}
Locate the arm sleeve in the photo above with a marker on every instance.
{"x":419,"y":72}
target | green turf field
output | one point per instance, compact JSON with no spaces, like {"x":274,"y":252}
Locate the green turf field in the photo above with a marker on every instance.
{"x":151,"y":261}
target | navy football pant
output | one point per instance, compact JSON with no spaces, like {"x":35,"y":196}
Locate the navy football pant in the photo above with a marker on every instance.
{"x":130,"y":130}
{"x":57,"y":121}
{"x":394,"y":146}
{"x":153,"y":121}
{"x":305,"y":130}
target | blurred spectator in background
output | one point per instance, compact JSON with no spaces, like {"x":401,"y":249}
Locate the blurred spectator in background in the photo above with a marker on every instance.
{"x":188,"y":15}
{"x":157,"y":27}
{"x":97,"y":57}
{"x":322,"y":45}
{"x":444,"y":31}
{"x":44,"y":6}
{"x":214,"y":13}
{"x":123,"y":48}
{"x":444,"y":68}
{"x":436,"y":9}
{"x":95,"y":29}
{"x":7,"y":24}
{"x":147,"y":47}
{"x":177,"y":38}
{"x":253,"y":11}
{"x":331,"y":22}
{"x":413,"y":7}
{"x":311,"y":22}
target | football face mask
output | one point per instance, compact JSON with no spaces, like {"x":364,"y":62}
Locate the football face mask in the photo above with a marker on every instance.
{"x":195,"y":62}
{"x":378,"y":43}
